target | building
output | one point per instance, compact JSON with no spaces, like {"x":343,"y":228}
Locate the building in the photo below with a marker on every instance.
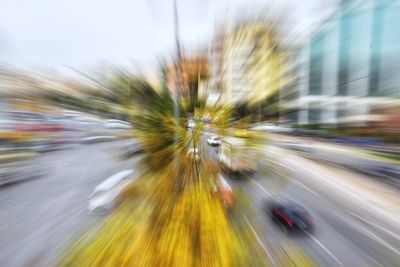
{"x":247,"y":63}
{"x":348,"y":68}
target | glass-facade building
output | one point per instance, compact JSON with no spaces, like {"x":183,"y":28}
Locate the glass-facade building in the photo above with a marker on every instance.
{"x":350,"y":62}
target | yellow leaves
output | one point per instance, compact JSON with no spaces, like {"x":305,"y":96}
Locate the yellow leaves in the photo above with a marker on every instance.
{"x":190,"y":229}
{"x":168,"y":217}
{"x":175,"y":243}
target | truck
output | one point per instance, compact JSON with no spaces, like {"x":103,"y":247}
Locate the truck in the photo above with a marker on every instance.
{"x":236,"y":155}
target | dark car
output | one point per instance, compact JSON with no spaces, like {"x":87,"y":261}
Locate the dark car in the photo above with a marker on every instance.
{"x":292,"y":217}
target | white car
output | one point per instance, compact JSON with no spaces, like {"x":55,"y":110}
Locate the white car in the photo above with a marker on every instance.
{"x":214,"y":141}
{"x":98,"y":139}
{"x":191,"y":125}
{"x":103,"y":197}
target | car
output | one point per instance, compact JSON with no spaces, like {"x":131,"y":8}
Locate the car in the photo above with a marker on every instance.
{"x":40,"y":145}
{"x":117,"y":124}
{"x":16,"y":153}
{"x":292,"y":217}
{"x":88,"y":121}
{"x":214,"y":141}
{"x":191,"y":124}
{"x":103,"y":198}
{"x":39,"y":127}
{"x":98,"y":139}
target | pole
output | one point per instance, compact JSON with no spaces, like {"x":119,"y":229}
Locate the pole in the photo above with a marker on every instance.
{"x":178,"y":59}
{"x":177,"y":81}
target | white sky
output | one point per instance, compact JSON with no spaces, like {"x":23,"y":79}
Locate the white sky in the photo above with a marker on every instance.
{"x":84,"y":33}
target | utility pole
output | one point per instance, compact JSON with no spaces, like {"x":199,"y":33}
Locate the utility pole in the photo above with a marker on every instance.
{"x":178,"y":90}
{"x":177,"y":81}
{"x":178,"y":54}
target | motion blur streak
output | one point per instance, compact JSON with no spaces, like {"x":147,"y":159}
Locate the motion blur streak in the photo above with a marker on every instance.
{"x":263,"y":133}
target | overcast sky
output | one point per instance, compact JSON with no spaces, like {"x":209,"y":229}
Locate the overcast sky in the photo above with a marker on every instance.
{"x":84,"y":33}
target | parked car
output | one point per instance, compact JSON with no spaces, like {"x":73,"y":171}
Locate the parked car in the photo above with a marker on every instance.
{"x":39,"y":127}
{"x":291,"y":216}
{"x":17,"y":154}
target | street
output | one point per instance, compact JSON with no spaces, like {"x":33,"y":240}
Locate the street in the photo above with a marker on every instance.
{"x":345,"y":234}
{"x":39,"y":217}
{"x":200,"y":133}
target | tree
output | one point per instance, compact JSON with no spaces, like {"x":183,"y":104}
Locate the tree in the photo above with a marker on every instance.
{"x":169,"y":215}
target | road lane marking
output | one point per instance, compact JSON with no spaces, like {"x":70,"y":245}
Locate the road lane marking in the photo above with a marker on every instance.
{"x":262,"y":188}
{"x":380,"y":240}
{"x":340,"y":186}
{"x":374,"y":224}
{"x":323,"y":247}
{"x":259,"y":241}
{"x":306,"y":187}
{"x":374,"y":236}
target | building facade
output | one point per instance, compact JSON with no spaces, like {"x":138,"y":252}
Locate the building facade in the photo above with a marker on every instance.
{"x":348,"y":68}
{"x":247,"y":63}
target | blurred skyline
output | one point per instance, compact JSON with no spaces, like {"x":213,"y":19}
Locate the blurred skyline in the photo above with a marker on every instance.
{"x":56,"y":36}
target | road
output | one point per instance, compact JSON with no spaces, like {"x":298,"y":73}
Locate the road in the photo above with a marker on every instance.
{"x":40,"y":217}
{"x":359,"y":158}
{"x":345,"y":235}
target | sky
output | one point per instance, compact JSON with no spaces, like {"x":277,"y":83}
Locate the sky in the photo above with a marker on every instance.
{"x":83,"y":34}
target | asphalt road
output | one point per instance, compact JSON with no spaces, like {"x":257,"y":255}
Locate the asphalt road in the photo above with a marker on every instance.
{"x":344,"y":234}
{"x":362,"y":161}
{"x":40,"y":217}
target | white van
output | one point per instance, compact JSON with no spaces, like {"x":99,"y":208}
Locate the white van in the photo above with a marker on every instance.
{"x":236,"y":156}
